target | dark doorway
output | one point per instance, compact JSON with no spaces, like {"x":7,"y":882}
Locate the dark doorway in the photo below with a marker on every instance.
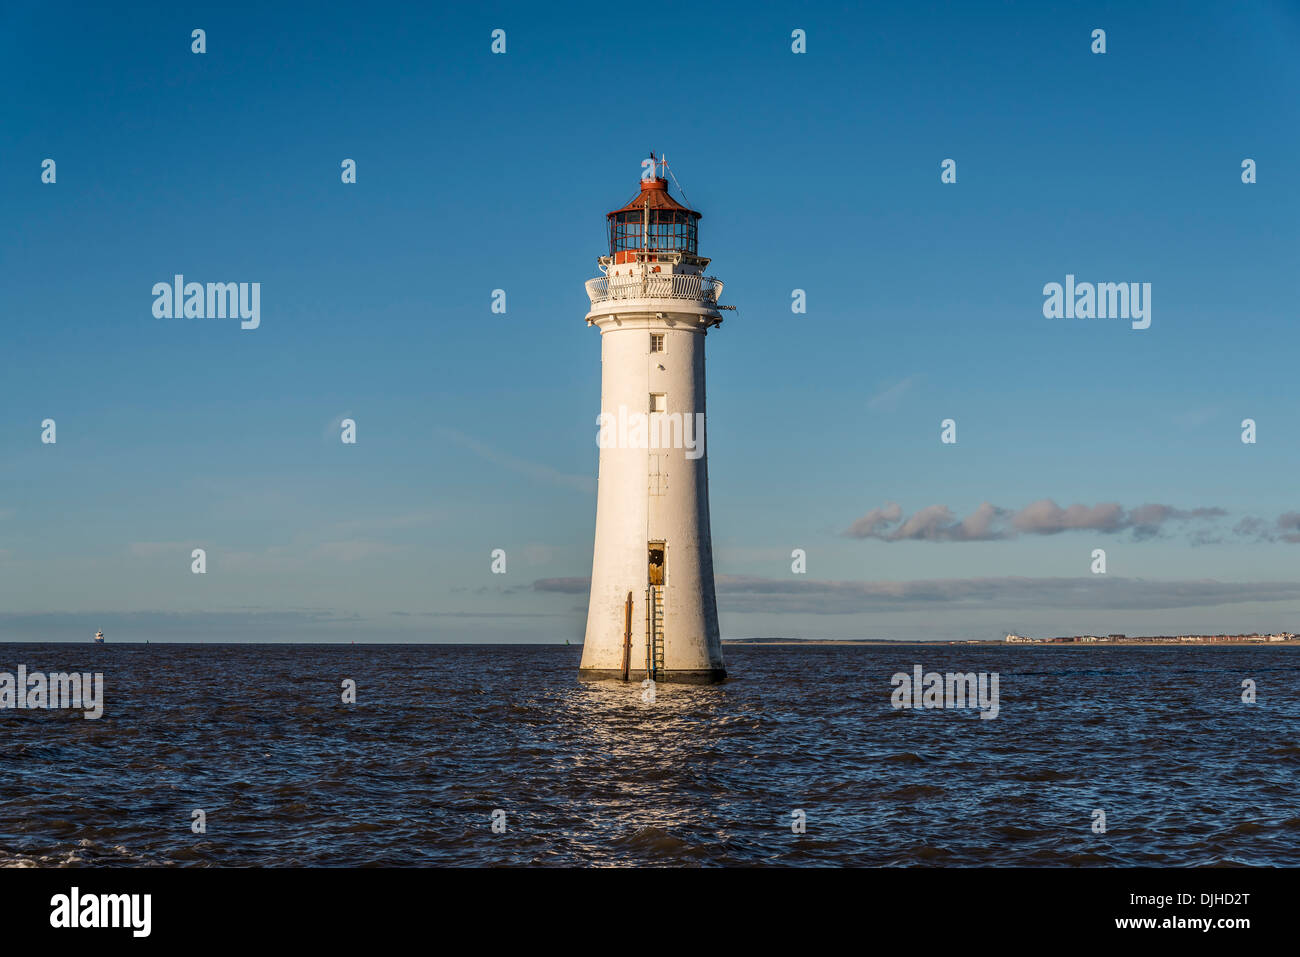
{"x":656,"y":563}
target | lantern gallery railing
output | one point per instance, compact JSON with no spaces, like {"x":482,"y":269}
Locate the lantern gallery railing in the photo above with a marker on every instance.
{"x":677,"y":286}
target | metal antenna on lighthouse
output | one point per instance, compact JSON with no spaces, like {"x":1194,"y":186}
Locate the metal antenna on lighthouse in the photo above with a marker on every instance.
{"x":669,"y":171}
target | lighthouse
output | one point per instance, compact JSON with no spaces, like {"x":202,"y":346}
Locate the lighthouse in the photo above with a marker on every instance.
{"x":653,"y":612}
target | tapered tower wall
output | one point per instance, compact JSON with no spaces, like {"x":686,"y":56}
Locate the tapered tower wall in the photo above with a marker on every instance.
{"x":654,"y":495}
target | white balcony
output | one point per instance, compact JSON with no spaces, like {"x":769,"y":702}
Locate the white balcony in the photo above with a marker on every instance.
{"x":701,"y":289}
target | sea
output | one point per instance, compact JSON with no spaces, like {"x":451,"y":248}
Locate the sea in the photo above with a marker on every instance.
{"x":247,"y":755}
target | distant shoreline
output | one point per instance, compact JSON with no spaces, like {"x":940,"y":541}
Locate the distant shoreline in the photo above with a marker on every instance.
{"x":1126,"y":643}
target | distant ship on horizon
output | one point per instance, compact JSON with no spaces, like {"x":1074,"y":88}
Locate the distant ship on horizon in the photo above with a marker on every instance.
{"x":99,"y":637}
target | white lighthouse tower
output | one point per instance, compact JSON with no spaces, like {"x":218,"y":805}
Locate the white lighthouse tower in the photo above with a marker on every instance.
{"x":653,"y":612}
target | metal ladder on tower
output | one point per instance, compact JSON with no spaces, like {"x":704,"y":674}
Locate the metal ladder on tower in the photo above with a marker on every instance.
{"x":656,"y":608}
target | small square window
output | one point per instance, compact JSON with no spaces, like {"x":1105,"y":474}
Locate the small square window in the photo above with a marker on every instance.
{"x":658,"y":402}
{"x":656,"y":342}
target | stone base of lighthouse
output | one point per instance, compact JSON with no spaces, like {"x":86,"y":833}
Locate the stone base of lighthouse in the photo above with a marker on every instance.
{"x":710,"y":677}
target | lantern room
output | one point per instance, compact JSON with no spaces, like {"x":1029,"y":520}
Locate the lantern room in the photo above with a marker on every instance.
{"x":652,"y":223}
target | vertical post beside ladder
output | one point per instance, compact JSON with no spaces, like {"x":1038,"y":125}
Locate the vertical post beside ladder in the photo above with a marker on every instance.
{"x":627,"y":637}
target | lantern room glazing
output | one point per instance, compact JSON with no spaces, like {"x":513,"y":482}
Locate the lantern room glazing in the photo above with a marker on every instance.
{"x":654,"y":222}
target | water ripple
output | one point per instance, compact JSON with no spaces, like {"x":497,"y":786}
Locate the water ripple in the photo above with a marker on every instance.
{"x":441,"y":736}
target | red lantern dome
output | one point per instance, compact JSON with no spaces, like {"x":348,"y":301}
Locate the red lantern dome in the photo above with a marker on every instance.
{"x":653,"y":222}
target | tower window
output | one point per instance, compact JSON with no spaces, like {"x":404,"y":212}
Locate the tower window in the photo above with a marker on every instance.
{"x":658,"y":402}
{"x":656,"y":342}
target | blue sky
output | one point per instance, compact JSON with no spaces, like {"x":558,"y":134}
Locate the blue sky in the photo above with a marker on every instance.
{"x":818,"y":171}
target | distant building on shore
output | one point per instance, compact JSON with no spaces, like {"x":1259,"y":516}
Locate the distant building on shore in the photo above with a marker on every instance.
{"x":1118,"y":639}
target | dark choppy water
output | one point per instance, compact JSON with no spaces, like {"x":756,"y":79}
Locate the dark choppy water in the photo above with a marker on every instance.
{"x":442,"y":735}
